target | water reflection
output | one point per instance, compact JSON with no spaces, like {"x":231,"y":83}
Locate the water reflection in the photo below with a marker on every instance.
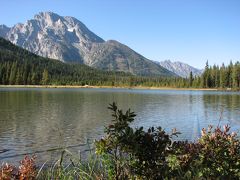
{"x":224,"y":108}
{"x":40,"y":119}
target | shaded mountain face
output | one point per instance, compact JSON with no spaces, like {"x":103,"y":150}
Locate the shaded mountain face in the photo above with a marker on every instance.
{"x":4,"y":30}
{"x":69,"y":40}
{"x":179,"y":68}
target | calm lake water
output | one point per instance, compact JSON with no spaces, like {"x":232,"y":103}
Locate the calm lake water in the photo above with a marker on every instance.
{"x":39,"y":120}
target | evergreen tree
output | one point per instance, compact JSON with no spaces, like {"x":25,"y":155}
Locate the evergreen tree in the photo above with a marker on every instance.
{"x":29,"y":79}
{"x":12,"y":77}
{"x":45,"y":77}
{"x":34,"y":78}
{"x":206,"y":81}
{"x":223,"y":76}
{"x":18,"y":78}
{"x":191,"y":79}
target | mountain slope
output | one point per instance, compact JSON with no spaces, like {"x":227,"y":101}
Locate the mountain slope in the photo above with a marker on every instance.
{"x":179,"y":68}
{"x":4,"y":30}
{"x":69,"y":40}
{"x":53,"y":36}
{"x":19,"y":66}
{"x":115,"y":56}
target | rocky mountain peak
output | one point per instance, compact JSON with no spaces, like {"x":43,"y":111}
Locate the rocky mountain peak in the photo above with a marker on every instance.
{"x":67,"y":39}
{"x":48,"y":17}
{"x":180,"y":68}
{"x":54,"y":36}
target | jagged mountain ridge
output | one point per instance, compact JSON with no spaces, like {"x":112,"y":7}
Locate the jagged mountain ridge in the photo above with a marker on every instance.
{"x":69,"y":40}
{"x":180,"y":68}
{"x":53,"y":36}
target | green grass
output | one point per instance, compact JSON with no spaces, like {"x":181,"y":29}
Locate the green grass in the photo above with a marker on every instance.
{"x":91,"y":168}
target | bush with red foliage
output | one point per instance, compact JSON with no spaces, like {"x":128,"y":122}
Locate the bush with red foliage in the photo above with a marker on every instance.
{"x":216,"y":154}
{"x":25,"y":171}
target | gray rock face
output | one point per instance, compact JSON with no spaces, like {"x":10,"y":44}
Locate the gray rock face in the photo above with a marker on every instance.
{"x":113,"y":55}
{"x":179,"y":68}
{"x":53,"y":36}
{"x":69,"y":40}
{"x":4,"y":30}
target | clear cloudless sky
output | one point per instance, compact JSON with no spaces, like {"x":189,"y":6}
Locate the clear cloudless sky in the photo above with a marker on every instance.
{"x":191,"y":31}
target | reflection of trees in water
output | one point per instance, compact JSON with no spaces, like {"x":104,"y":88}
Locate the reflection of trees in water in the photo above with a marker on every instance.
{"x":43,"y":119}
{"x":33,"y":120}
{"x":223,"y":107}
{"x":171,"y":110}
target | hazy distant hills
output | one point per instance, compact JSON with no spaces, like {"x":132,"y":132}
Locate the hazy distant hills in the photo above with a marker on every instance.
{"x":179,"y":68}
{"x":69,"y":40}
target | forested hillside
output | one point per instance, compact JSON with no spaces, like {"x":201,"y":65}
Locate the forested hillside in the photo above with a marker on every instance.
{"x":20,"y":67}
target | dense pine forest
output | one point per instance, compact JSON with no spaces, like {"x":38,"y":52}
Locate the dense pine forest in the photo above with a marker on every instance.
{"x":221,"y":77}
{"x":20,"y":67}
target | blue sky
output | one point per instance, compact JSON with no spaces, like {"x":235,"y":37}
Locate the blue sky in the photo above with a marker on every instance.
{"x":191,"y":31}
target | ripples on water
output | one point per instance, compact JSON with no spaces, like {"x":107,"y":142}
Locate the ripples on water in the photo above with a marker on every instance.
{"x":34,"y":120}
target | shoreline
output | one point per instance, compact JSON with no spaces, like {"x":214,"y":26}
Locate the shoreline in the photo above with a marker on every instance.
{"x":111,"y":87}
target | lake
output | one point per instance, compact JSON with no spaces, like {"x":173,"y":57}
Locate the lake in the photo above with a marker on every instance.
{"x":41,"y":120}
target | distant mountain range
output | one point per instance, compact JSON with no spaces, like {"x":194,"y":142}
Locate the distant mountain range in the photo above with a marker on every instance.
{"x":179,"y":68}
{"x":69,"y":40}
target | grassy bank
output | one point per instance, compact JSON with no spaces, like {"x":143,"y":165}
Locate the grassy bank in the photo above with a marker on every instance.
{"x":110,"y":87}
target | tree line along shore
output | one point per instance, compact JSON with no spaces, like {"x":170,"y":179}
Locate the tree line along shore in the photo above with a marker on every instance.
{"x":20,"y":67}
{"x":32,"y":75}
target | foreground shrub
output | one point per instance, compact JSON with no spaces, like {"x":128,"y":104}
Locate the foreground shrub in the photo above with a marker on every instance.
{"x":215,"y":154}
{"x":112,"y":147}
{"x":134,"y":153}
{"x":26,"y":170}
{"x":6,"y":172}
